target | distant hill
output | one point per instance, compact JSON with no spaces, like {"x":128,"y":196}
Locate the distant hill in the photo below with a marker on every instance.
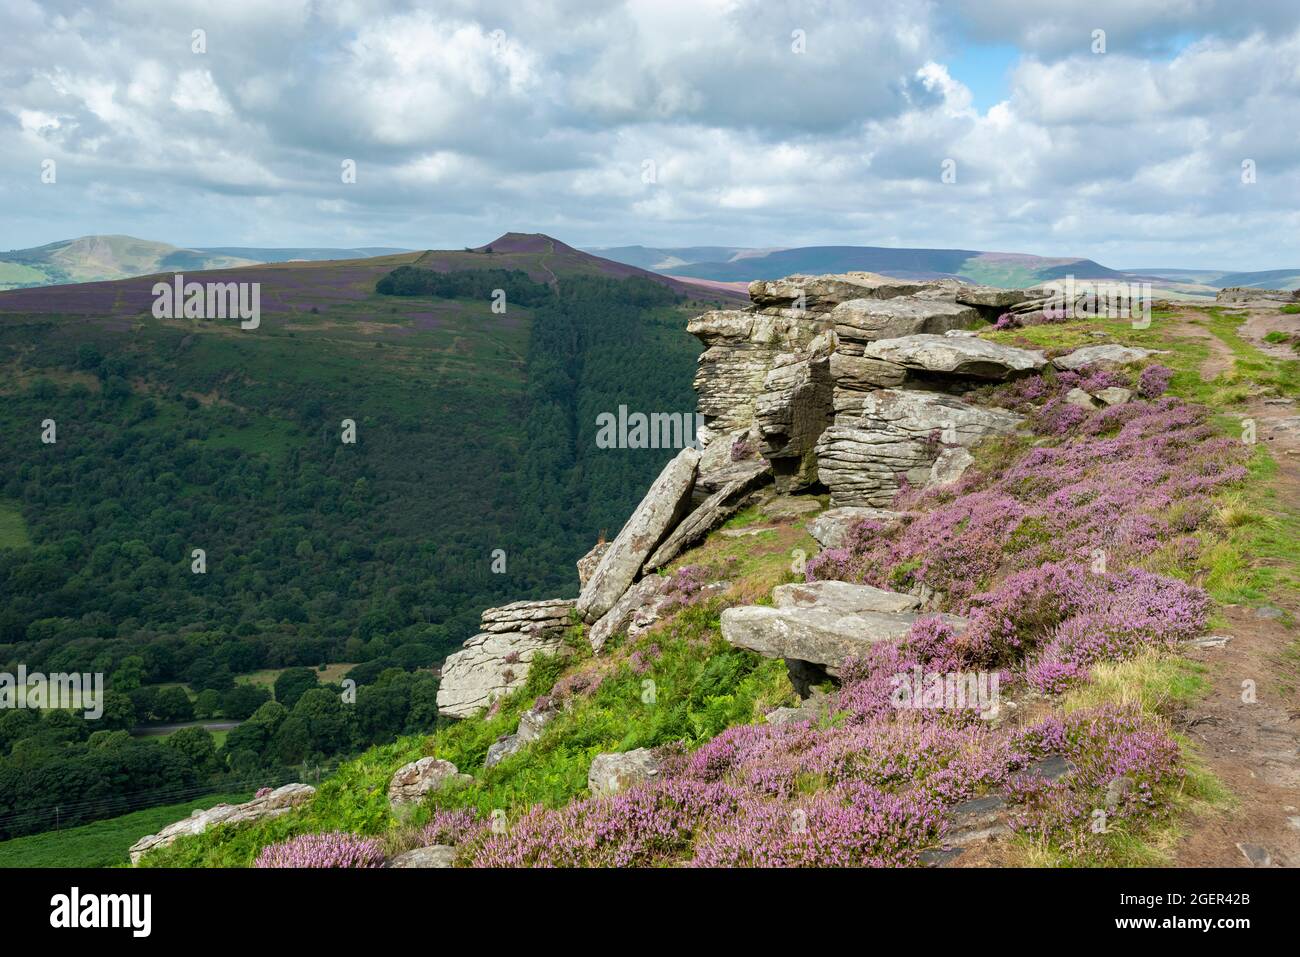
{"x":96,"y":258}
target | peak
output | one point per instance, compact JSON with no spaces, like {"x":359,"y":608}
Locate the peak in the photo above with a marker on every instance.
{"x":525,"y":243}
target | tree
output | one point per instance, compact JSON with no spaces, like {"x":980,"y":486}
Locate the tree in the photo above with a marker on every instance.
{"x":198,"y":747}
{"x":129,"y":674}
{"x":292,"y":683}
{"x":173,"y":704}
{"x":242,"y":701}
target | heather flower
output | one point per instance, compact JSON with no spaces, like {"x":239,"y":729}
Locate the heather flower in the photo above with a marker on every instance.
{"x":1154,"y":380}
{"x":323,"y":850}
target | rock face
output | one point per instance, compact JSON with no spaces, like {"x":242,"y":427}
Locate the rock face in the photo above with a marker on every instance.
{"x":531,"y":724}
{"x":949,"y":467}
{"x":818,"y":294}
{"x":793,"y":410}
{"x":489,"y":666}
{"x":661,"y":509}
{"x":611,"y":773}
{"x":707,"y":516}
{"x":1103,"y":355}
{"x":413,"y":781}
{"x":818,"y":634}
{"x":588,"y":562}
{"x":545,"y":615}
{"x":280,"y":801}
{"x":862,"y":321}
{"x":831,"y":528}
{"x":882,"y":435}
{"x":961,"y":356}
{"x":643,"y":596}
{"x":1250,"y":294}
{"x":435,"y":855}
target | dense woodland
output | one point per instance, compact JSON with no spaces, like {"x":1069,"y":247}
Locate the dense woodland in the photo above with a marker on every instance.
{"x":316,"y":552}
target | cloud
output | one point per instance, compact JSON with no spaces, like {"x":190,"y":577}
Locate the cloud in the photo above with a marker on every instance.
{"x":764,"y":124}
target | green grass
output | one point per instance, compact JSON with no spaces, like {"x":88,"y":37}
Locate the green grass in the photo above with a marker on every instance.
{"x":102,"y":843}
{"x":13,"y":530}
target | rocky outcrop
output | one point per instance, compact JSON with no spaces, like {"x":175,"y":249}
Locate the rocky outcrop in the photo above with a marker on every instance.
{"x":435,"y":855}
{"x":1247,"y":295}
{"x":588,"y":562}
{"x":611,"y":773}
{"x":280,"y":801}
{"x":662,"y":508}
{"x":414,"y":781}
{"x":1108,"y":355}
{"x":793,"y":410}
{"x":831,"y":528}
{"x":819,"y":294}
{"x":844,"y":597}
{"x":489,"y":666}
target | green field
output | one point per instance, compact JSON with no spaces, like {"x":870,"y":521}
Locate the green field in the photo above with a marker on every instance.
{"x":103,"y":843}
{"x":13,"y":530}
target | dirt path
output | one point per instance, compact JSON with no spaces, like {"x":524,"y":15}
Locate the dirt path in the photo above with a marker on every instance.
{"x":1251,"y":741}
{"x":1260,"y":322}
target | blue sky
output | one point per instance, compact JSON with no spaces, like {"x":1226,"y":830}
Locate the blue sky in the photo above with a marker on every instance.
{"x":661,"y":122}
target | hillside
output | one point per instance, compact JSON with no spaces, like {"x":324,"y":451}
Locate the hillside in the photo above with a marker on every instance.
{"x":474,"y":475}
{"x":1061,"y":519}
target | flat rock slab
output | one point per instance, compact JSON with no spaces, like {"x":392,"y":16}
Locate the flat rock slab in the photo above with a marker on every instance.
{"x":820,"y":293}
{"x":845,"y":597}
{"x":490,"y":664}
{"x":644,"y":592}
{"x":612,"y":773}
{"x":663,"y":506}
{"x":435,"y":855}
{"x":1103,"y":355}
{"x":860,"y":321}
{"x":831,"y":528}
{"x":960,"y":356}
{"x":821,"y":636}
{"x":789,"y":506}
{"x":705,"y":517}
{"x":544,"y":615}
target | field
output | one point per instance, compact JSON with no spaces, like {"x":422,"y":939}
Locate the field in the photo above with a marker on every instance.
{"x":103,"y":843}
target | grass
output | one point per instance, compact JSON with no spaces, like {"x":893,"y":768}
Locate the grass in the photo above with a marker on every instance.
{"x":13,"y":530}
{"x":102,"y":843}
{"x":332,"y":674}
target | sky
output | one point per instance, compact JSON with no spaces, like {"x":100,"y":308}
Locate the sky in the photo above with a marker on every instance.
{"x":1134,"y":132}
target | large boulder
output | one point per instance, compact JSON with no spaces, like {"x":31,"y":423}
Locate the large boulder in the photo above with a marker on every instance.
{"x":531,"y":724}
{"x":993,"y":297}
{"x":831,"y":528}
{"x":956,"y":356}
{"x":844,"y":597}
{"x":822,"y":636}
{"x":413,"y":781}
{"x":280,"y":801}
{"x":661,"y":509}
{"x":611,"y":773}
{"x":861,"y":321}
{"x":644,"y":594}
{"x":1107,"y":355}
{"x":489,"y":666}
{"x":588,"y":562}
{"x":950,"y":465}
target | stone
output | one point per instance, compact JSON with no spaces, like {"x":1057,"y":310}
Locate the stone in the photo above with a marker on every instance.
{"x":280,"y":801}
{"x":1077,"y":396}
{"x":973,"y":358}
{"x":502,"y":748}
{"x":1256,"y":855}
{"x":863,"y":375}
{"x":792,"y":411}
{"x":819,"y":636}
{"x":643,"y":593}
{"x":531,"y":724}
{"x":1209,"y":641}
{"x":789,"y":506}
{"x":1114,"y":395}
{"x":1269,"y":613}
{"x":1051,"y":768}
{"x":435,"y":855}
{"x":1252,"y":294}
{"x":413,"y":781}
{"x":861,"y":321}
{"x":993,"y":297}
{"x":757,"y":471}
{"x":831,"y":528}
{"x":1116,"y":791}
{"x":823,"y":293}
{"x":611,"y":773}
{"x":588,"y":562}
{"x":490,"y":665}
{"x":844,"y":597}
{"x":950,"y":466}
{"x":545,"y":616}
{"x":705,"y":517}
{"x":662,"y":508}
{"x":1110,"y":354}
